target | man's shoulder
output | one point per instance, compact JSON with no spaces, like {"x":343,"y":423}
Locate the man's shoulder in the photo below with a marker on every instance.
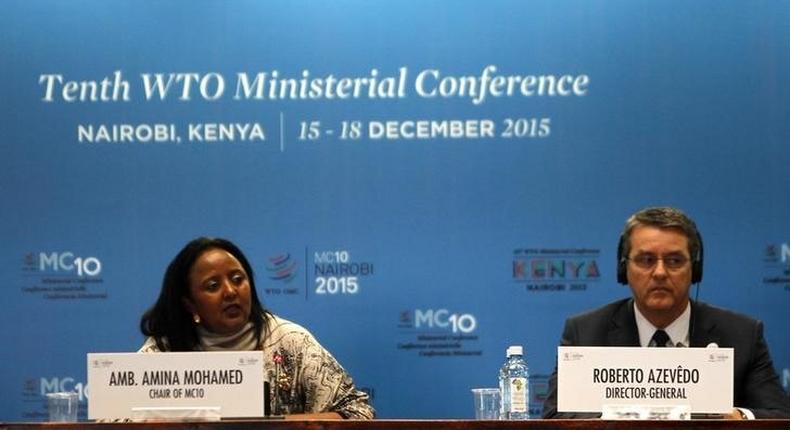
{"x":722,"y":315}
{"x":604,"y":312}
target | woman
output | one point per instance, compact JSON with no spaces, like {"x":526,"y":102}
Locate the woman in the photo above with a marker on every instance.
{"x":208,"y":302}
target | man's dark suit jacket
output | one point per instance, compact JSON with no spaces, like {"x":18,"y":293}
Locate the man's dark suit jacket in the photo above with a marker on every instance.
{"x":756,"y":383}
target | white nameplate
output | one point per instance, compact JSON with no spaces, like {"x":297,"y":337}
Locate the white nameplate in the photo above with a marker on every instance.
{"x":121,"y":383}
{"x":590,"y":377}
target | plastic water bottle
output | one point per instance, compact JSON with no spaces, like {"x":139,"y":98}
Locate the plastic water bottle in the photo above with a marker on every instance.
{"x":514,"y":386}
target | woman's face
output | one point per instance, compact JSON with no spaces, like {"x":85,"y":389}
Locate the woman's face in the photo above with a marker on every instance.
{"x":219,"y":292}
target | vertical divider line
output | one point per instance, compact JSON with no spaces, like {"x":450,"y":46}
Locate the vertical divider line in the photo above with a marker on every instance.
{"x":305,"y":274}
{"x":282,"y":132}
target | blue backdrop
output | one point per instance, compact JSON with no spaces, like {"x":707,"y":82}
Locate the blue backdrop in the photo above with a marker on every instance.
{"x":416,"y":258}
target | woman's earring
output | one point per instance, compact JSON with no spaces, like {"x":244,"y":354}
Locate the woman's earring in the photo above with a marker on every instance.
{"x":196,"y":318}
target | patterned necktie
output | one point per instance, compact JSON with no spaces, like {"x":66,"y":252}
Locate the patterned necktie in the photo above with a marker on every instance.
{"x":660,"y":339}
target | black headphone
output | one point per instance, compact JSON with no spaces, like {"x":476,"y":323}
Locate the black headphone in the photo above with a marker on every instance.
{"x":622,"y":262}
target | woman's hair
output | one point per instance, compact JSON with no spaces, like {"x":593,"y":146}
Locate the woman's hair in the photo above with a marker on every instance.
{"x":168,"y":321}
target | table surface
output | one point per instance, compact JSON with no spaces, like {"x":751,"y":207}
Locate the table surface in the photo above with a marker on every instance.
{"x":595,"y":424}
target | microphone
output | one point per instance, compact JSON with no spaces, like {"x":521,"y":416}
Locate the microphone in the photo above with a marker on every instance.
{"x":267,"y":402}
{"x":693,"y":316}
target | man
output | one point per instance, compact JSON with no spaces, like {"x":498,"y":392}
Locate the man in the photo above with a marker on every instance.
{"x":659,"y":257}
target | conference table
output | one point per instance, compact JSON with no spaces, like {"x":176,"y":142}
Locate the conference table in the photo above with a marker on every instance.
{"x":595,"y":424}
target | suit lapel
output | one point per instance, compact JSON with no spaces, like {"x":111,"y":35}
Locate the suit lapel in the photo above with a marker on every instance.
{"x":622,"y":326}
{"x":703,"y":329}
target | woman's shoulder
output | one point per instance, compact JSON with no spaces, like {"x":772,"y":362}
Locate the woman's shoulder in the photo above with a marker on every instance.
{"x":149,"y":345}
{"x":282,"y":331}
{"x":280,"y":326}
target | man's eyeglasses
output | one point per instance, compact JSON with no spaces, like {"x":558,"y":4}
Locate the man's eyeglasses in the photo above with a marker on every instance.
{"x":649,"y":261}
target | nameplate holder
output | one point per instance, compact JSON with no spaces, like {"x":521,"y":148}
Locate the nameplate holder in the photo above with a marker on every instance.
{"x":199,"y":386}
{"x":644,"y":412}
{"x":649,"y":381}
{"x":177,"y":413}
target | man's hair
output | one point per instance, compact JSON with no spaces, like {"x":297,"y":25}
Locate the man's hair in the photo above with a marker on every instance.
{"x":168,"y":321}
{"x":663,"y":217}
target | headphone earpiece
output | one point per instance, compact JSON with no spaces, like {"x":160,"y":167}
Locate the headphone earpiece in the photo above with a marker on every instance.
{"x":622,"y":270}
{"x":696,"y":263}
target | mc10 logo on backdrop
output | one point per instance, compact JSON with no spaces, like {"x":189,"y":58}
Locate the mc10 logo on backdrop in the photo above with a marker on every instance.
{"x":55,"y":385}
{"x":332,"y":273}
{"x":438,"y":333}
{"x":63,"y":275}
{"x":443,"y":319}
{"x":337,"y":272}
{"x":34,"y":393}
{"x":68,"y":262}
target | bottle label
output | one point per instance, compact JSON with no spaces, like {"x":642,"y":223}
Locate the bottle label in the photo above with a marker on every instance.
{"x":518,"y":394}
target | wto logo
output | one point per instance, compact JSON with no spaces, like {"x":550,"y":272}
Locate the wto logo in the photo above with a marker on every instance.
{"x":56,"y":262}
{"x":282,"y":268}
{"x":439,"y":319}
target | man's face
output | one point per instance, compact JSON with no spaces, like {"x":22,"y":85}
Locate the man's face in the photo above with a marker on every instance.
{"x":659,"y":272}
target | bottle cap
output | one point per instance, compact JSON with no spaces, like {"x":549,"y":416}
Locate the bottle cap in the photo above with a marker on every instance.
{"x":515,"y":350}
